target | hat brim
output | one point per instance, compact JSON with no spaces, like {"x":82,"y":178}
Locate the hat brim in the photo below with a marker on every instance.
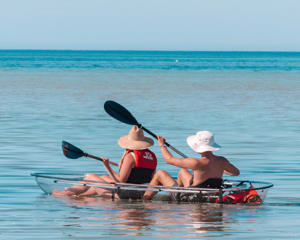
{"x":201,"y":148}
{"x":126,"y":143}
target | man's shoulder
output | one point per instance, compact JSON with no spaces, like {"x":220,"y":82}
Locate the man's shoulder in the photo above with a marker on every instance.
{"x":192,"y":159}
{"x":197,"y":159}
{"x":221,"y":158}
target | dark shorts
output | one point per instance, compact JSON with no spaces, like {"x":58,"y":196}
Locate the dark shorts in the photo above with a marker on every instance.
{"x":210,"y":183}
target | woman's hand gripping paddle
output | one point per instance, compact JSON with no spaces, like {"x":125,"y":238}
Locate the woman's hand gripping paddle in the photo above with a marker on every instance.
{"x":120,"y":113}
{"x":70,"y":151}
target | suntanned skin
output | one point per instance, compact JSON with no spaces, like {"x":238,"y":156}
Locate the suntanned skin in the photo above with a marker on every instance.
{"x":126,"y":164}
{"x":208,"y":166}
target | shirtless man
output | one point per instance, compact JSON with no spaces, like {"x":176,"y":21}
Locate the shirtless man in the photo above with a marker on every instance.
{"x":207,"y":170}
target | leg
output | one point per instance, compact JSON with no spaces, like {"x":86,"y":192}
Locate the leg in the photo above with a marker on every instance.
{"x":96,"y":190}
{"x":161,"y":177}
{"x":105,"y":178}
{"x":75,"y":190}
{"x":184,"y":178}
{"x":82,"y":190}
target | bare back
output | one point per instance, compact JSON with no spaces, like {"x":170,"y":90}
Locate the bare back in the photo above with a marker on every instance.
{"x":212,"y":166}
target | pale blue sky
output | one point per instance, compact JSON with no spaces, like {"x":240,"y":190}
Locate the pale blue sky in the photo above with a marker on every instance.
{"x":270,"y":25}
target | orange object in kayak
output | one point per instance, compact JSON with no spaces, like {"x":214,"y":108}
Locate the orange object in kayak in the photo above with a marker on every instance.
{"x":249,"y":196}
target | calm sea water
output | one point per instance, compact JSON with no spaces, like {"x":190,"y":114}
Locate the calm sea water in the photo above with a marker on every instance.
{"x":249,"y":100}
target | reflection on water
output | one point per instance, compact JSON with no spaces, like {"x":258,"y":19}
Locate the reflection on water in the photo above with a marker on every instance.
{"x":207,"y":218}
{"x":161,"y":219}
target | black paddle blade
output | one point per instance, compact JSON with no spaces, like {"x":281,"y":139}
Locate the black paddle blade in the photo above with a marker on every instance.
{"x":70,"y":151}
{"x":120,"y":113}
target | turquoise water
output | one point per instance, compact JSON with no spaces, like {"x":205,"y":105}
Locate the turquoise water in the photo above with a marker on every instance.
{"x":250,"y":101}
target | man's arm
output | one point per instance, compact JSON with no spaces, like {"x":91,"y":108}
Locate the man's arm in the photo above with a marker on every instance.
{"x":191,"y":163}
{"x":230,"y":169}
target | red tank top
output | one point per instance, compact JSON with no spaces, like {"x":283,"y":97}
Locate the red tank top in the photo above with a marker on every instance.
{"x":145,"y":159}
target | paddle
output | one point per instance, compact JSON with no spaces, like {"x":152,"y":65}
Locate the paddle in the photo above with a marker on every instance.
{"x":120,"y":113}
{"x":70,"y":151}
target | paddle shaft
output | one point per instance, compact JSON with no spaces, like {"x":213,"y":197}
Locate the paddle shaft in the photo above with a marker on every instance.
{"x":120,"y":113}
{"x":168,"y":145}
{"x":99,"y":159}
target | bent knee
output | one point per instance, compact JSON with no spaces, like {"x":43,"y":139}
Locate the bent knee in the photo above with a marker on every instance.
{"x":160,"y":171}
{"x":184,"y":177}
{"x":184,"y":171}
{"x":162,"y":174}
{"x":91,"y":176}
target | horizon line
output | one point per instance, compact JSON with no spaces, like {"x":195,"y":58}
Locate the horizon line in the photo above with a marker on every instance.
{"x":147,"y":50}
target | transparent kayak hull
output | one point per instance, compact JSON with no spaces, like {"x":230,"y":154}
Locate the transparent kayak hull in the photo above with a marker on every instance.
{"x":230,"y":190}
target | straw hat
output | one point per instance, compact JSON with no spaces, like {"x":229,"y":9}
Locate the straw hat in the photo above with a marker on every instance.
{"x":203,"y":141}
{"x":135,"y":140}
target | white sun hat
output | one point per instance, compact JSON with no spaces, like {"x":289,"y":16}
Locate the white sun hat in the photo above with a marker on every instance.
{"x":203,"y":141}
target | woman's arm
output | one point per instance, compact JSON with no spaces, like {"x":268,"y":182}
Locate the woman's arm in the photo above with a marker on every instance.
{"x":127,"y":165}
{"x":109,"y":170}
{"x":125,"y":170}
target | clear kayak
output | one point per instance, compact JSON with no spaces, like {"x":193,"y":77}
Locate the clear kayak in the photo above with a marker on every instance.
{"x":232,"y":191}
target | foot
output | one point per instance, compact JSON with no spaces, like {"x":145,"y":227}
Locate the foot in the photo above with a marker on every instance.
{"x":61,"y":193}
{"x":147,"y":198}
{"x":66,"y":192}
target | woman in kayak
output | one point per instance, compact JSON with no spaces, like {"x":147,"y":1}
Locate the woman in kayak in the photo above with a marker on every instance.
{"x":207,"y":170}
{"x":137,"y":166}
